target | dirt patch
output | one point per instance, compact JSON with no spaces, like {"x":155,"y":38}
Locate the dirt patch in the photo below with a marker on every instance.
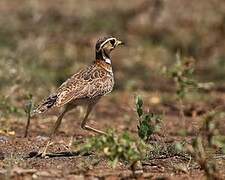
{"x":14,"y":151}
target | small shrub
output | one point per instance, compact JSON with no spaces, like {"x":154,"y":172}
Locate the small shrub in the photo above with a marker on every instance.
{"x":213,"y":137}
{"x":207,"y":143}
{"x":116,"y":147}
{"x":149,"y":123}
{"x":182,"y":73}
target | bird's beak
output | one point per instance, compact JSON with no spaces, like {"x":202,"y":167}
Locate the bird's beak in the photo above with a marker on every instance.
{"x":119,"y":43}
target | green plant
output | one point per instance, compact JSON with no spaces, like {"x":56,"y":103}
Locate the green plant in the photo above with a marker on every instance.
{"x":207,"y":143}
{"x":149,"y":123}
{"x":200,"y":153}
{"x":182,"y":73}
{"x":116,"y":147}
{"x":210,"y":130}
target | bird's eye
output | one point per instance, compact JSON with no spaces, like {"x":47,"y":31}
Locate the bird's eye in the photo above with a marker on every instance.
{"x":112,"y":42}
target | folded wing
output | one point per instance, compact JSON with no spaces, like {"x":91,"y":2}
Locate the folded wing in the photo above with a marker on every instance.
{"x":88,"y":83}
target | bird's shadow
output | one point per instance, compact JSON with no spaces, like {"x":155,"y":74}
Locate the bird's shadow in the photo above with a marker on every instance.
{"x":35,"y":154}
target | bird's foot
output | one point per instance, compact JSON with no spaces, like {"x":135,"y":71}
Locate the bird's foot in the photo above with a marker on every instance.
{"x":66,"y":146}
{"x":43,"y":151}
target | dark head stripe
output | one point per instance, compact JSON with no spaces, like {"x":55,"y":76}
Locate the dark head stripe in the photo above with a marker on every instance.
{"x":107,"y":40}
{"x":102,"y":41}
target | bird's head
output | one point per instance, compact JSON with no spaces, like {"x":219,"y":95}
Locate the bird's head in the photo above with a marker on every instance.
{"x":104,"y":46}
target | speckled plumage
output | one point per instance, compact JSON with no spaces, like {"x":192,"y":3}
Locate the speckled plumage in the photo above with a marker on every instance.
{"x":94,"y":81}
{"x":85,"y":87}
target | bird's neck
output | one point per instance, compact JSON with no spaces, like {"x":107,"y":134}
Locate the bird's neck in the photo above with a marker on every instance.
{"x":102,"y":64}
{"x":103,"y":60}
{"x":102,"y":55}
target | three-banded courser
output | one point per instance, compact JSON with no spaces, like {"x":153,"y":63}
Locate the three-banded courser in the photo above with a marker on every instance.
{"x":86,"y":87}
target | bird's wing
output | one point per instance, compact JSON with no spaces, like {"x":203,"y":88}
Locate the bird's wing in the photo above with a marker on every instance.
{"x":87,"y":83}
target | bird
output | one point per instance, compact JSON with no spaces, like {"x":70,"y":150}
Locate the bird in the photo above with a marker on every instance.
{"x":86,"y":87}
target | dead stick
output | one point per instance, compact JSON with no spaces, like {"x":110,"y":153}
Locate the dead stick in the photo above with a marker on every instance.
{"x":27,"y":126}
{"x":28,"y":111}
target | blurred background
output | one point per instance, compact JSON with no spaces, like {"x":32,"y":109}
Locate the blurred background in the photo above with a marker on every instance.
{"x":43,"y":42}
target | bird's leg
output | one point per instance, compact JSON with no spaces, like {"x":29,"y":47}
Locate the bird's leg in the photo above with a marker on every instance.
{"x":58,"y":121}
{"x":53,"y":131}
{"x":84,"y":122}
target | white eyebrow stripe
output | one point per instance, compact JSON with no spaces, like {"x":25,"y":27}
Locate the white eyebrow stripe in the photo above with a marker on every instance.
{"x":107,"y":40}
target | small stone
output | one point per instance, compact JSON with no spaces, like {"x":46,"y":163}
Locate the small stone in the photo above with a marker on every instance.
{"x":34,"y":176}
